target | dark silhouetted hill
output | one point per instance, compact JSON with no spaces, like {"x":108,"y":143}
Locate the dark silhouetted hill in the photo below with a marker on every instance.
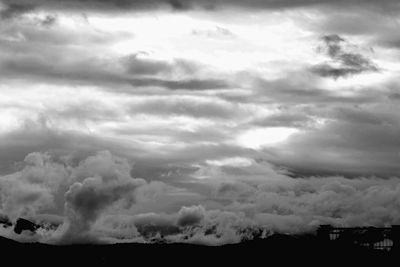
{"x":280,"y":248}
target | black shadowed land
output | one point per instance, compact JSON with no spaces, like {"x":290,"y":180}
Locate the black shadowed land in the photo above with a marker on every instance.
{"x":328,"y":245}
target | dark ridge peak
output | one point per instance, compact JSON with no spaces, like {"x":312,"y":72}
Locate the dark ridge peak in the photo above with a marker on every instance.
{"x":23,"y":225}
{"x":7,"y":242}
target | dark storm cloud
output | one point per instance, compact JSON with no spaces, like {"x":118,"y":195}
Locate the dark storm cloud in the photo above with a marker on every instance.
{"x":44,"y":54}
{"x":272,"y":4}
{"x":186,"y":107}
{"x":49,"y":20}
{"x":13,"y":10}
{"x":27,"y":59}
{"x":138,"y":65}
{"x":351,"y":133}
{"x":343,"y":63}
{"x":303,"y":88}
{"x":87,"y":5}
{"x":135,"y":65}
{"x":41,"y":69}
{"x":354,"y":141}
{"x":102,"y":5}
{"x":190,"y":84}
{"x":286,"y":118}
{"x":91,"y":71}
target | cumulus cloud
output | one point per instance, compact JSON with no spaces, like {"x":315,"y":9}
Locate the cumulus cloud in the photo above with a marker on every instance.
{"x":90,"y":187}
{"x":108,"y":181}
{"x":32,"y":189}
{"x":190,"y":215}
{"x":85,"y":201}
{"x":289,"y":206}
{"x":100,"y":193}
{"x":193,"y":224}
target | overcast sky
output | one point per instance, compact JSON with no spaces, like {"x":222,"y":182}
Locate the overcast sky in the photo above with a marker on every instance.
{"x":202,"y":119}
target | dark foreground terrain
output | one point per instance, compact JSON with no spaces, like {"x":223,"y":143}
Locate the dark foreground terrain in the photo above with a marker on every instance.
{"x":273,"y":251}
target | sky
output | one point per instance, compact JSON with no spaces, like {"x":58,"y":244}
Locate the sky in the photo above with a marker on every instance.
{"x":205,"y":121}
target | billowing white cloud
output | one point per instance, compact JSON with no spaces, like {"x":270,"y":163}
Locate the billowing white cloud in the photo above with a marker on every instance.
{"x":102,"y":200}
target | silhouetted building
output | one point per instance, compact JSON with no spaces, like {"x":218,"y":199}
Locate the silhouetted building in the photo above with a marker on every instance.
{"x":324,"y":232}
{"x":396,"y":238}
{"x":387,"y":238}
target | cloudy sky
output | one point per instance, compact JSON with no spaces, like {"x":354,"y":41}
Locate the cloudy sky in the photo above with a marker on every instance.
{"x":201,"y":121}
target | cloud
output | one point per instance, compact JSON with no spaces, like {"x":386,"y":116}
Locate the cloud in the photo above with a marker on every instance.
{"x":285,"y":206}
{"x":188,"y":84}
{"x":87,"y":200}
{"x":191,"y":224}
{"x":186,"y":106}
{"x":215,"y":33}
{"x":49,"y":20}
{"x":22,"y":199}
{"x":286,"y":118}
{"x":141,"y":64}
{"x":14,"y":10}
{"x":32,"y":189}
{"x":25,"y":58}
{"x":301,"y":87}
{"x":376,"y":28}
{"x":107,"y":181}
{"x":100,"y":194}
{"x":355,"y":140}
{"x":343,"y":63}
{"x":188,"y":216}
{"x":91,"y":187}
{"x":172,"y":107}
{"x":100,"y":5}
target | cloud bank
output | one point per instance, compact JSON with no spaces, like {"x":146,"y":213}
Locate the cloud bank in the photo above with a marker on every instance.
{"x":98,"y":195}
